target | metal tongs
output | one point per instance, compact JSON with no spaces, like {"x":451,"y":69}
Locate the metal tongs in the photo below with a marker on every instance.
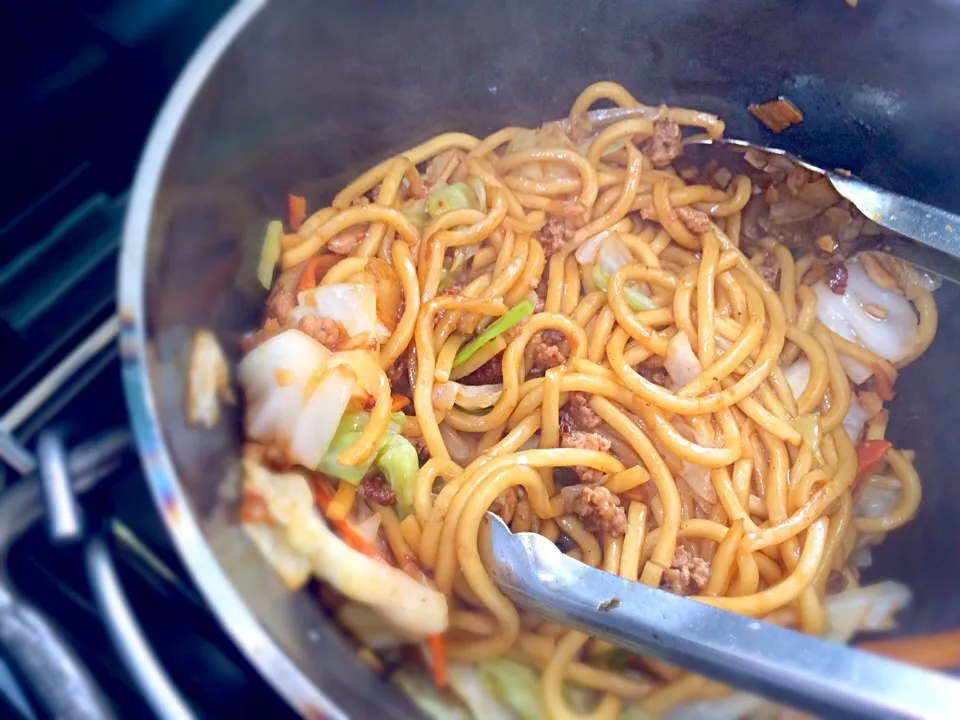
{"x":828,"y":679}
{"x":930,"y":236}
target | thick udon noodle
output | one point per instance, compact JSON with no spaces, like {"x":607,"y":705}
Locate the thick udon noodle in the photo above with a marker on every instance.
{"x":777,"y":516}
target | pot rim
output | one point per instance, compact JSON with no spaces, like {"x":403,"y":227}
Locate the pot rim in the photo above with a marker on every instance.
{"x":228,"y":606}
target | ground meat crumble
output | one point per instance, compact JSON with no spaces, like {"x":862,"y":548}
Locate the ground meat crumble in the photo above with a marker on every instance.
{"x":696,"y":221}
{"x":663,"y":147}
{"x":280,"y":304}
{"x":870,"y":402}
{"x":253,"y":339}
{"x":837,"y":278}
{"x":490,"y":373}
{"x":397,"y":372}
{"x":545,"y":347}
{"x":268,"y":456}
{"x":505,"y":504}
{"x":376,"y":489}
{"x":767,"y":266}
{"x":555,"y":233}
{"x":580,"y":412}
{"x":836,"y":582}
{"x":326,"y":331}
{"x":346,"y":241}
{"x":655,"y":373}
{"x":420,"y":445}
{"x":688,"y":574}
{"x":454,"y":289}
{"x":599,"y":510}
{"x":571,"y":436}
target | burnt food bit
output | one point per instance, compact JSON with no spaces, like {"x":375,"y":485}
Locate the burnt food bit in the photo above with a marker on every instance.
{"x":837,"y":278}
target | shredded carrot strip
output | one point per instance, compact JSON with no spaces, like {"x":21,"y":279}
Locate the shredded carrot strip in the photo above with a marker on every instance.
{"x":253,"y":509}
{"x":940,"y":651}
{"x":398,"y":402}
{"x":342,"y":502}
{"x":438,"y":650}
{"x":882,"y":384}
{"x":308,"y":278}
{"x":297,"y":210}
{"x":315,"y":269}
{"x":869,"y":455}
{"x":323,"y":495}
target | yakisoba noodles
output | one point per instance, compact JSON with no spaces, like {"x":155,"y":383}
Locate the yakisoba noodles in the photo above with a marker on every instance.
{"x":675,"y":370}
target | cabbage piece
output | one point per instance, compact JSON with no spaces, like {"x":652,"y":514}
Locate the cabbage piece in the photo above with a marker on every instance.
{"x":208,"y":380}
{"x":878,"y":496}
{"x":291,"y":566}
{"x":736,"y":706}
{"x":698,"y":480}
{"x":457,"y":262}
{"x":353,"y":305}
{"x":549,"y":136}
{"x":395,"y":456}
{"x":855,"y":419}
{"x":317,"y":423}
{"x":443,"y":396}
{"x":365,"y":365}
{"x":871,"y":607}
{"x":369,"y":627}
{"x":681,"y":363}
{"x":478,"y":397}
{"x":481,"y":190}
{"x":893,"y":337}
{"x":357,"y":420}
{"x":809,"y":428}
{"x":798,"y":376}
{"x":368,"y":529}
{"x":270,"y":253}
{"x":469,"y":684}
{"x":516,"y":684}
{"x":398,"y":461}
{"x":613,"y":254}
{"x":636,"y":300}
{"x":329,"y":465}
{"x":286,"y":406}
{"x":435,"y":703}
{"x":600,"y":278}
{"x":467,"y":397}
{"x":416,"y":212}
{"x":585,"y":144}
{"x":526,"y":139}
{"x":499,"y":326}
{"x":444,"y":198}
{"x":293,"y":517}
{"x":287,"y":359}
{"x":587,"y":253}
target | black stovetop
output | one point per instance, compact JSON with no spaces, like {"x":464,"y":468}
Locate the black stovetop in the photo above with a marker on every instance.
{"x":77,"y":109}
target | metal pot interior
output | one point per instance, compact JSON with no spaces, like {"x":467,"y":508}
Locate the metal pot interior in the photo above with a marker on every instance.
{"x":308,"y":94}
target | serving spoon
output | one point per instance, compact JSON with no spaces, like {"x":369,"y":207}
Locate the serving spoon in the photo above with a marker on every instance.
{"x":828,"y":679}
{"x":927,"y":236}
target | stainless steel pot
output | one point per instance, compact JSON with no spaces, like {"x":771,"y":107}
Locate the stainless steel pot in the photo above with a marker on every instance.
{"x":295,"y":95}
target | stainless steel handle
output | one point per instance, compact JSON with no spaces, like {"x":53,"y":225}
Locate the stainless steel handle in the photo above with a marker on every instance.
{"x":125,"y":633}
{"x":830,"y":680}
{"x":56,"y":678}
{"x":127,"y":636}
{"x":936,"y":231}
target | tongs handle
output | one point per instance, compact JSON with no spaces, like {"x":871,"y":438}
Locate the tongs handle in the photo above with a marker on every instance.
{"x":935,"y":231}
{"x":827,"y":679}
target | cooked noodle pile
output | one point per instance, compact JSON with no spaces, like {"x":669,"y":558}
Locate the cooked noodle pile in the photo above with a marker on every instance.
{"x":622,"y":351}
